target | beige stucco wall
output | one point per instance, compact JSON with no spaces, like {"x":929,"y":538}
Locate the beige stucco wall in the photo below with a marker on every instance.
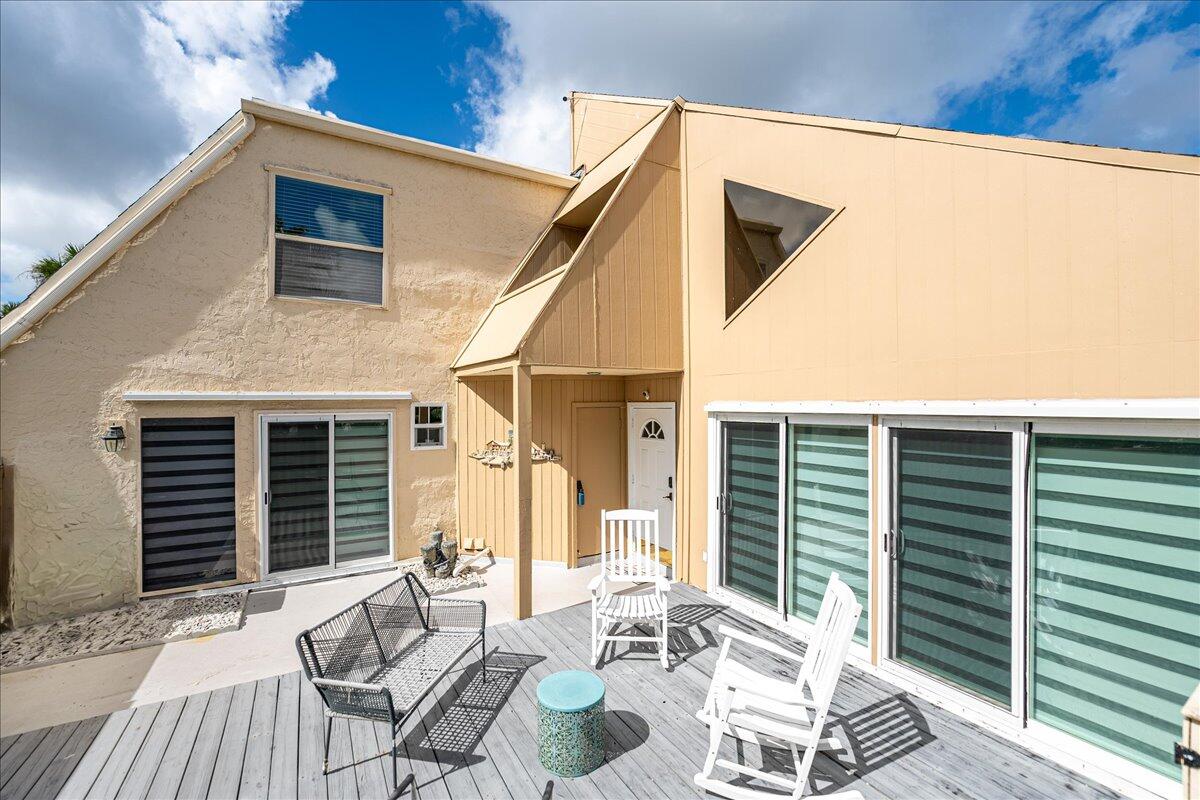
{"x":186,"y":307}
{"x":956,"y":271}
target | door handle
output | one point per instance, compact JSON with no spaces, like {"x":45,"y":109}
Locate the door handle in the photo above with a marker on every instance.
{"x":669,"y":496}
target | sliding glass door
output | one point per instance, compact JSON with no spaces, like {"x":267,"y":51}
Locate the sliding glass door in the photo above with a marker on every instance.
{"x":829,"y":516}
{"x":327,"y":490}
{"x":1115,"y":584}
{"x":297,"y":497}
{"x":750,"y":510}
{"x":951,"y":557}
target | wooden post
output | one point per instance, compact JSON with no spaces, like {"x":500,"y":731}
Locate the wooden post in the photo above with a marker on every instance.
{"x":522,"y":406}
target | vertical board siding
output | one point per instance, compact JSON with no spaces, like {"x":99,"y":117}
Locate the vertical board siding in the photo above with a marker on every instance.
{"x":188,"y":507}
{"x":555,"y":249}
{"x":485,"y":493}
{"x":1115,"y":618}
{"x":621,"y":305}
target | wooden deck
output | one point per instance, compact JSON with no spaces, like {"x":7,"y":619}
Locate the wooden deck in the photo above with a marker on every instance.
{"x":479,"y":740}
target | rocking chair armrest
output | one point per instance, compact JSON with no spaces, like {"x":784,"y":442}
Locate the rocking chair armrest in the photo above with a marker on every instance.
{"x":762,"y":644}
{"x":596,"y":583}
{"x":792,"y":697}
{"x":661,"y":584}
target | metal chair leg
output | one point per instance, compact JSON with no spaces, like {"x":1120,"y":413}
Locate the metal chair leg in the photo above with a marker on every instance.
{"x":328,"y":731}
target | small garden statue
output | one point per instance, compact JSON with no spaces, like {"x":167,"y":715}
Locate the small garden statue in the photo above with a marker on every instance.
{"x":439,"y":557}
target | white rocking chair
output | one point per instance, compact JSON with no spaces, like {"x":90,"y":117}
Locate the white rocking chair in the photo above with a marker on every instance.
{"x":752,"y":707}
{"x":628,"y":555}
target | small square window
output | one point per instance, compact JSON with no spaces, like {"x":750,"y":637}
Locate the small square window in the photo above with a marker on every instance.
{"x":429,"y":426}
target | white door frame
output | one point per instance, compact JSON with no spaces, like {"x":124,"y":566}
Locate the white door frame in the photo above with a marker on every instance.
{"x":630,"y":440}
{"x":263,"y":478}
{"x":1012,"y":719}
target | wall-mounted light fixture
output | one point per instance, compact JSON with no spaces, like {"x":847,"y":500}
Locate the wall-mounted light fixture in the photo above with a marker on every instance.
{"x":113,"y":438}
{"x":645,"y":394}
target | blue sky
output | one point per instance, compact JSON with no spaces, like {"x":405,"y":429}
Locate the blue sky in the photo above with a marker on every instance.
{"x":84,"y":131}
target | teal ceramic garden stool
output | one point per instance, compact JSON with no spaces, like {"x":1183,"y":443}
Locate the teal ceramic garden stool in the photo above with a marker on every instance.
{"x":571,"y":723}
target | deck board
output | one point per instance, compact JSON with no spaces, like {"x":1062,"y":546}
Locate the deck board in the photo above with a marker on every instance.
{"x":476,"y":739}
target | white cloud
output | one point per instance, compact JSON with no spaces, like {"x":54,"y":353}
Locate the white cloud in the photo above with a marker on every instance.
{"x":86,"y":129}
{"x":203,"y":54}
{"x":1150,"y":99}
{"x":905,"y":62}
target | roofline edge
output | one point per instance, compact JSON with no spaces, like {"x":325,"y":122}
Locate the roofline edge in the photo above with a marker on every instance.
{"x":117,"y":234}
{"x":310,"y":120}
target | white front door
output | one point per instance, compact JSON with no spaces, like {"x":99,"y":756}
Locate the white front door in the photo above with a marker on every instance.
{"x":652,"y":464}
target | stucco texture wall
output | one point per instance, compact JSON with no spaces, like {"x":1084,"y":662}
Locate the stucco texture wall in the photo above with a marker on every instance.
{"x":955,"y":271}
{"x":186,"y":307}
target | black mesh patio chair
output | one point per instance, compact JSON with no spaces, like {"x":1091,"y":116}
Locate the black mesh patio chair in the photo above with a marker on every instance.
{"x":379,"y":658}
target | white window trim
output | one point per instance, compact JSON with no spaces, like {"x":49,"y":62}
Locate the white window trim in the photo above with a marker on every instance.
{"x":315,"y":177}
{"x":1168,"y":417}
{"x":778,"y":617}
{"x":414,"y":425}
{"x":265,"y":417}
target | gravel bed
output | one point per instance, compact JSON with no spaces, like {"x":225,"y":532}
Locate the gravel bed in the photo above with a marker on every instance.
{"x":142,"y":624}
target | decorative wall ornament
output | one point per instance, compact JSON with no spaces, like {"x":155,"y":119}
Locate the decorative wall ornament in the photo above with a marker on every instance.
{"x":498,"y":454}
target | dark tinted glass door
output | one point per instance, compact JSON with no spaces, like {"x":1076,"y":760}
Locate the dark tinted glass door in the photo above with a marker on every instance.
{"x":952,"y":569}
{"x":298,"y":507}
{"x":750,"y":518}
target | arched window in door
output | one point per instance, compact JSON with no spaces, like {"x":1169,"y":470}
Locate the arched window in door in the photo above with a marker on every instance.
{"x":652,"y":430}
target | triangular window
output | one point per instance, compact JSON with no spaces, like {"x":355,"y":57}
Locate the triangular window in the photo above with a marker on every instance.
{"x":762,"y":230}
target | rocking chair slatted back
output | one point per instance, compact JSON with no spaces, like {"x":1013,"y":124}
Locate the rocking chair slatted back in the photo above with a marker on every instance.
{"x":830,"y":641}
{"x":629,"y":546}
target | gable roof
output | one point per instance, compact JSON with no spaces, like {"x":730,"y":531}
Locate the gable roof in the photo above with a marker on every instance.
{"x":515,"y":315}
{"x":130,"y":222}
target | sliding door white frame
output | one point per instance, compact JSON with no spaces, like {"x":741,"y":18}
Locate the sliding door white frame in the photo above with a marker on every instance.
{"x":264,"y":419}
{"x":917,"y":680}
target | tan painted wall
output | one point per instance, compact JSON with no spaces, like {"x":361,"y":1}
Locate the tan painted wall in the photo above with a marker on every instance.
{"x":485,"y":413}
{"x":956,"y":271}
{"x":600,"y":126}
{"x":619,"y":305}
{"x":485,"y":493}
{"x":186,"y":308}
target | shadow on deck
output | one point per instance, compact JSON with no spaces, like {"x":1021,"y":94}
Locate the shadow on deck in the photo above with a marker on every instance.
{"x":478,"y":739}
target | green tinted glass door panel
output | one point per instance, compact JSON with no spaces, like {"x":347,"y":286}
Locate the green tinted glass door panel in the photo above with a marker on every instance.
{"x":952,"y":568}
{"x":829,"y":516}
{"x":298,"y":513}
{"x":1115,"y":571}
{"x":750,"y":530}
{"x":360,"y":481}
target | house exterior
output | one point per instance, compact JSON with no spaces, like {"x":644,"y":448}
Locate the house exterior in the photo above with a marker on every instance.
{"x":962,"y":371}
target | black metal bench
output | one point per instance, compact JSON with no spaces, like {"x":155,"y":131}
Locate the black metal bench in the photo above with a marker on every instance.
{"x":380,"y":657}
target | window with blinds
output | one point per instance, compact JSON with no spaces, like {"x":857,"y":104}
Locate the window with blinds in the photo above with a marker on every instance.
{"x":189,"y":521}
{"x":829,"y":519}
{"x":328,"y":241}
{"x":361,"y":498}
{"x":1115,"y":607}
{"x":751,"y":509}
{"x":952,"y":569}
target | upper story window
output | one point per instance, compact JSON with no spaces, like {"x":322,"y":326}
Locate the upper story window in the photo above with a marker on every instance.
{"x":762,"y":230}
{"x":328,"y":241}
